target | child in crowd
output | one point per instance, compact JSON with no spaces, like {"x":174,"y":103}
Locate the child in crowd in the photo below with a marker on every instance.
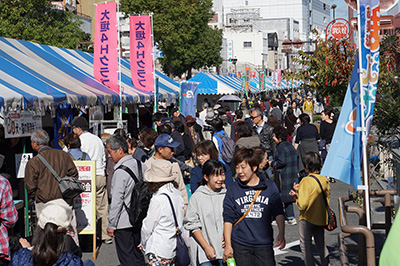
{"x":204,"y":222}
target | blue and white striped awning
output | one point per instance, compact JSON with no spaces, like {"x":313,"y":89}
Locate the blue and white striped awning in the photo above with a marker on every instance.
{"x":218,"y":84}
{"x":40,"y":75}
{"x":285,"y":84}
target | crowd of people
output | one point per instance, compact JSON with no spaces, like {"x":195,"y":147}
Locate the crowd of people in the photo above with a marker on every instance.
{"x":223,"y":178}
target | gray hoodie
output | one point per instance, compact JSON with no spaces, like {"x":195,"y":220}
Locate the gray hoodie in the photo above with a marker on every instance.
{"x":204,"y":213}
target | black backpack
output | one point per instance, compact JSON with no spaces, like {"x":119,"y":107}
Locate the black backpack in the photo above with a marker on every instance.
{"x":140,"y":198}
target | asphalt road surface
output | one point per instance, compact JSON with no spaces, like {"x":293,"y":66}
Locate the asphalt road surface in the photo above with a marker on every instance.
{"x":291,"y":255}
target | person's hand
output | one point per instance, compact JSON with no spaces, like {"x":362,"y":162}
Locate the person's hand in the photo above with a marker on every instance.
{"x":292,"y":193}
{"x":280,"y":241}
{"x":140,"y":247}
{"x":223,"y":242}
{"x":228,"y":253}
{"x":24,"y":243}
{"x":210,"y":252}
{"x":110,"y":232}
{"x":295,"y":186}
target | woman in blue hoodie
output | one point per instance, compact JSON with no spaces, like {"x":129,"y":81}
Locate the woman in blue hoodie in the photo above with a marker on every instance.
{"x":247,"y":226}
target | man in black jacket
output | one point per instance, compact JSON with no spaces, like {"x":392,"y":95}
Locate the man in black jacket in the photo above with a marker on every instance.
{"x":265,"y":133}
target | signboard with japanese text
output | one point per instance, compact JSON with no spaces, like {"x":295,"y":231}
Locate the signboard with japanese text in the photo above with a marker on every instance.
{"x":21,"y":159}
{"x":105,"y":62}
{"x":20,"y":124}
{"x":262,"y":80}
{"x":141,"y":56}
{"x":248,"y":77}
{"x":338,"y":29}
{"x":85,"y":203}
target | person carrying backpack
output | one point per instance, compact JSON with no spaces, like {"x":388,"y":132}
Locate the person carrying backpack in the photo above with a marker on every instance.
{"x":120,"y":226}
{"x":224,"y":144}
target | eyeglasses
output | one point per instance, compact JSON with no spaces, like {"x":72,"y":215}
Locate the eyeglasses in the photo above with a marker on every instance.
{"x":253,"y":117}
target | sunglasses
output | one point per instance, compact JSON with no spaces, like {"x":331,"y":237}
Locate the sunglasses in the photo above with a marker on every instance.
{"x":253,"y":117}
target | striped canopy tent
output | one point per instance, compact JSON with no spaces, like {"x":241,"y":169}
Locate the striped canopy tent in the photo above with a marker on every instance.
{"x":256,"y":83}
{"x":169,"y":89}
{"x":34,"y":74}
{"x":218,"y":84}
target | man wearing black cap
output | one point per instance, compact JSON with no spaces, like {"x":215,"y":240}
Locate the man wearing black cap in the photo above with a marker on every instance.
{"x":165,"y":146}
{"x":93,"y":146}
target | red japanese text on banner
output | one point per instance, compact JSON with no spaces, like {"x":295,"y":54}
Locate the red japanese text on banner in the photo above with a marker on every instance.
{"x":141,"y":53}
{"x":105,"y":62}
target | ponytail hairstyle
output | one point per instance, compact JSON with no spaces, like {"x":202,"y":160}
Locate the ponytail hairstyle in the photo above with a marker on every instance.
{"x":212,"y":167}
{"x":48,"y":244}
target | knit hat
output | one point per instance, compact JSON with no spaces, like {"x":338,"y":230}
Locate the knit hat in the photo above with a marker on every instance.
{"x":161,"y":171}
{"x":57,"y":212}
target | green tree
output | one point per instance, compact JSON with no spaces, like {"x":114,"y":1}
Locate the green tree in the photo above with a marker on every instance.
{"x":37,"y":21}
{"x":181,"y":32}
{"x":328,"y":69}
{"x":387,"y":111}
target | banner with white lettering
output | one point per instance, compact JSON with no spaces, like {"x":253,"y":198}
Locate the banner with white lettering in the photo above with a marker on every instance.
{"x":141,"y":49}
{"x":105,"y":63}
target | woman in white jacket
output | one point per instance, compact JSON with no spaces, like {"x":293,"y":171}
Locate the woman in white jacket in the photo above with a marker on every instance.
{"x":158,"y":232}
{"x":204,"y":222}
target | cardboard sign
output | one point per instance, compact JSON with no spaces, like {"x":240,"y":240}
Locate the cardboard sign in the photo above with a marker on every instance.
{"x":85,"y":203}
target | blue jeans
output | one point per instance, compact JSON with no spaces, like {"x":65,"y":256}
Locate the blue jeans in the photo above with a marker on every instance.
{"x":212,"y":263}
{"x":269,"y":169}
{"x":289,"y":213}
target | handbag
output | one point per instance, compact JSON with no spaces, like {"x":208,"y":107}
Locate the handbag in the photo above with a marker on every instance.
{"x":331,"y":214}
{"x":182,"y":254}
{"x":251,"y":205}
{"x":70,"y":186}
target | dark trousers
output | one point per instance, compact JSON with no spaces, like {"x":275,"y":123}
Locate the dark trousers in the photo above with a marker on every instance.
{"x":126,"y":242}
{"x":253,"y":256}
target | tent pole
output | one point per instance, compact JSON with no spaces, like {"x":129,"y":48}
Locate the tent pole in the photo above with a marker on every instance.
{"x":119,"y":65}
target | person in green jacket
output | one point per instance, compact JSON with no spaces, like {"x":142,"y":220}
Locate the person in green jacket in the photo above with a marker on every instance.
{"x":313,"y":213}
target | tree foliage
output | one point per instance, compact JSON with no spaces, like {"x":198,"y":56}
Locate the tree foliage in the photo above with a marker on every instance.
{"x":181,"y":32}
{"x":387,"y":111}
{"x":328,"y":70}
{"x":37,"y":21}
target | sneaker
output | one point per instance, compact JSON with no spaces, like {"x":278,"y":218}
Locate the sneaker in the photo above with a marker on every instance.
{"x":291,"y":221}
{"x":274,"y":223}
{"x":108,"y":241}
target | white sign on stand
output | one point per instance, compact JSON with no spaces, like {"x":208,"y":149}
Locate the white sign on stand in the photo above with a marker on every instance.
{"x":85,"y":203}
{"x":20,"y":163}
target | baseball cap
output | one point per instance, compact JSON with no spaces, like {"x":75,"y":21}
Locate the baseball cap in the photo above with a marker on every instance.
{"x":57,"y":212}
{"x":81,"y":122}
{"x":166,"y":120}
{"x":165,"y":140}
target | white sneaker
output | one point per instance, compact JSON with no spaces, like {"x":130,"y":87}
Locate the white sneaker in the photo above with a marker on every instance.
{"x":291,"y":221}
{"x":274,"y":223}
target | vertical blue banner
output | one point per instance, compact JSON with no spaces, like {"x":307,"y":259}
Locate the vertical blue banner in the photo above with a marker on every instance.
{"x":344,"y":157}
{"x":61,"y":121}
{"x":189,"y":98}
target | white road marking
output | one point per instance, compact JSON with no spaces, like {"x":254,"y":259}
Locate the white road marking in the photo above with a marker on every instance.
{"x":277,"y":251}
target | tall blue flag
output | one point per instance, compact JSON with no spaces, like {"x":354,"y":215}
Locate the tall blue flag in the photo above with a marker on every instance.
{"x":344,"y":156}
{"x":189,"y":98}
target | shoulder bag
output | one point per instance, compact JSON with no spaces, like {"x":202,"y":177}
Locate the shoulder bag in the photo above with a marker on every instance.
{"x":331,"y":214}
{"x":248,"y":210}
{"x":182,"y":254}
{"x":70,"y":186}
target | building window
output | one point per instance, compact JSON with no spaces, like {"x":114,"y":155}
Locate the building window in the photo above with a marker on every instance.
{"x":246,"y":3}
{"x":324,"y":5}
{"x":246,"y":44}
{"x":310,"y":13}
{"x":324,"y":19}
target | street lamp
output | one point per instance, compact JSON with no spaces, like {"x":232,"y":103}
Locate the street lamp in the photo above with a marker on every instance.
{"x":333,"y":7}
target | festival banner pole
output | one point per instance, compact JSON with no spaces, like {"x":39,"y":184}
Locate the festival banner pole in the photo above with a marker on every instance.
{"x":154,"y":66}
{"x":119,"y":68}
